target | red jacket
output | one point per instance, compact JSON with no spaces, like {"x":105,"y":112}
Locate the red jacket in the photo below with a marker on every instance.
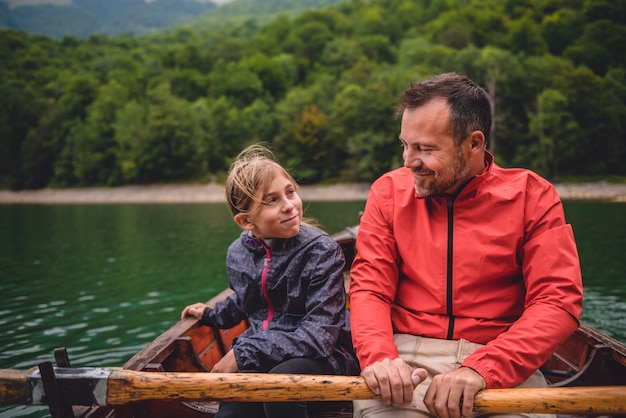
{"x":496,"y":265}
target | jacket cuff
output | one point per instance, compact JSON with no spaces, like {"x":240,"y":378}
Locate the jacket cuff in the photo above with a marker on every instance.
{"x":206,"y":317}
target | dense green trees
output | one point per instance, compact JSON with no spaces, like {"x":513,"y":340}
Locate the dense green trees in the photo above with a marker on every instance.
{"x":319,"y":87}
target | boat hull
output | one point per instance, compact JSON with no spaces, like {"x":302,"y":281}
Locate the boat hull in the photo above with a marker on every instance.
{"x":587,"y":358}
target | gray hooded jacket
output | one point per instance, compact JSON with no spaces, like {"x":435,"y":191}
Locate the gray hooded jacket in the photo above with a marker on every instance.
{"x":292,"y":294}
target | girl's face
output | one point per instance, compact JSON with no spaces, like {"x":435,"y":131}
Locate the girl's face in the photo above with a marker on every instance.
{"x":277,"y":214}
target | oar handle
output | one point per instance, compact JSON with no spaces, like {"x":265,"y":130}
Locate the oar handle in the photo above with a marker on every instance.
{"x":14,"y":386}
{"x":118,"y":387}
{"x":126,"y":386}
{"x":249,"y":387}
{"x":582,"y":400}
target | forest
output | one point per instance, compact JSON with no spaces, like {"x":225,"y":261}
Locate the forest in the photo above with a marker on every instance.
{"x":318,"y":87}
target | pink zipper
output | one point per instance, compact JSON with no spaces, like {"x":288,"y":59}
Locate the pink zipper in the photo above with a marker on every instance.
{"x":266,"y":267}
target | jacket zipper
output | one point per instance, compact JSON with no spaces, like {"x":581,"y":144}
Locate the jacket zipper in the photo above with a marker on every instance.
{"x":450,"y":260}
{"x":449,"y":272}
{"x":266,"y":295}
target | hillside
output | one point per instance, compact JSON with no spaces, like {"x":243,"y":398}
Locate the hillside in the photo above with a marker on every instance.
{"x":261,"y":11}
{"x":319,"y":87}
{"x":59,"y":18}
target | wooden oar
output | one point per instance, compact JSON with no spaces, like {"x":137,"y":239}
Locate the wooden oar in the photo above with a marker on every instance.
{"x":118,"y":387}
{"x":581,"y":400}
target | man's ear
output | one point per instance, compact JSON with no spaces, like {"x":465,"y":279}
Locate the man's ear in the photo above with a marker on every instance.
{"x":243,"y":221}
{"x":477,"y":141}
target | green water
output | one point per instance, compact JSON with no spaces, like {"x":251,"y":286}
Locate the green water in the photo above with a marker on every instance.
{"x":104,"y":280}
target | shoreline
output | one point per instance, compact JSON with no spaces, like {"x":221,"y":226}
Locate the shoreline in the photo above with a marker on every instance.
{"x":214,"y":193}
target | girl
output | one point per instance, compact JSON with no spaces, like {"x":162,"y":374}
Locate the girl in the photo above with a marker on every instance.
{"x":287,"y":276}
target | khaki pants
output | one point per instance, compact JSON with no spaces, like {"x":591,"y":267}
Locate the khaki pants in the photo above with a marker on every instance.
{"x":437,"y":356}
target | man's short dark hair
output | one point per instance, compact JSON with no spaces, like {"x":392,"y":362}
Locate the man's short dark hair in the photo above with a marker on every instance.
{"x":470,"y":106}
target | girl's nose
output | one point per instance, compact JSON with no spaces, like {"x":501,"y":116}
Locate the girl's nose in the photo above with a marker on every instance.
{"x":287,"y":204}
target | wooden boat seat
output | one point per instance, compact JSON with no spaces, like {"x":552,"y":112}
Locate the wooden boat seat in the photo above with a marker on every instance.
{"x":587,"y":358}
{"x":198,"y":352}
{"x":599,"y":367}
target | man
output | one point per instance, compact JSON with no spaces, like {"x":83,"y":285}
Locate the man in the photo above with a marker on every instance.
{"x":466,"y":276}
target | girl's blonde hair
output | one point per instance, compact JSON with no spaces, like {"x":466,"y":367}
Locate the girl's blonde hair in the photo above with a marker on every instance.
{"x":253,"y":169}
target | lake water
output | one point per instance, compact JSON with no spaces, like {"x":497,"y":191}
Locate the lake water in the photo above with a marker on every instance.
{"x":104,"y":280}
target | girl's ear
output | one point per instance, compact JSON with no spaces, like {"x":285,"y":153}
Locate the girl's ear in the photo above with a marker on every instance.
{"x":243,"y":221}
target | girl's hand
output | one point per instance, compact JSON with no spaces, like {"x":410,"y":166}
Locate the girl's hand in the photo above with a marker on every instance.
{"x":227,"y":364}
{"x":196,"y":310}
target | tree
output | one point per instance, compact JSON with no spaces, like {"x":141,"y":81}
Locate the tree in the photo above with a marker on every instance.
{"x":228,"y":50}
{"x":341,"y":54}
{"x":309,"y":130}
{"x":18,"y":112}
{"x":131,"y":136}
{"x":377,"y":48}
{"x":170,"y":150}
{"x":614,"y":84}
{"x":560,"y":29}
{"x":313,"y":37}
{"x":183,"y":56}
{"x":524,"y":37}
{"x":451,"y":29}
{"x":188,"y":84}
{"x":499,"y":68}
{"x":590,"y":105}
{"x":275,"y":77}
{"x":221,"y":133}
{"x":301,"y":139}
{"x":362,"y":118}
{"x":91,"y":143}
{"x":600,"y":47}
{"x":378,"y":20}
{"x":555,"y":131}
{"x":77,"y":92}
{"x":257,"y":123}
{"x":236,"y":81}
{"x":424,"y":57}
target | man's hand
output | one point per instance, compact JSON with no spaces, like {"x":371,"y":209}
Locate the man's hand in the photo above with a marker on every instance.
{"x":451,"y":394}
{"x":393,"y":380}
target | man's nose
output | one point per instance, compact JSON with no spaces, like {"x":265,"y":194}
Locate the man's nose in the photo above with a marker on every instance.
{"x":411,"y":159}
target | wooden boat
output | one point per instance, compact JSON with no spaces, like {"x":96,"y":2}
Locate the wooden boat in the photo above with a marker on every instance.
{"x":588,"y":358}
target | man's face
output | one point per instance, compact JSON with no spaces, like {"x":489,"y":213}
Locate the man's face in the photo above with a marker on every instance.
{"x":439,"y":166}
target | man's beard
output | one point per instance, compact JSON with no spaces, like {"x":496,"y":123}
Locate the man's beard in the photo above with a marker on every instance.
{"x":449,"y":177}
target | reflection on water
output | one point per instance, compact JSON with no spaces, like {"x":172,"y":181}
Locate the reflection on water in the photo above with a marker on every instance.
{"x":600,"y":231}
{"x":605,"y":311}
{"x":104,"y":280}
